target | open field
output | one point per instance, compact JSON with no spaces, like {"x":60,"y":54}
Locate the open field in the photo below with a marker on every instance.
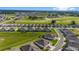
{"x":66,"y":20}
{"x":29,"y":22}
{"x":75,"y":31}
{"x":25,"y":20}
{"x":14,"y":39}
{"x":61,"y":20}
{"x":10,"y":15}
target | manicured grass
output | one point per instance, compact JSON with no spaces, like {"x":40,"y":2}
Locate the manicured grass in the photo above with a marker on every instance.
{"x":53,"y":31}
{"x":75,"y":31}
{"x":53,"y":42}
{"x":63,"y":22}
{"x":10,"y":15}
{"x":66,"y":18}
{"x":30,"y":22}
{"x":33,"y":22}
{"x":14,"y":39}
{"x":26,"y":20}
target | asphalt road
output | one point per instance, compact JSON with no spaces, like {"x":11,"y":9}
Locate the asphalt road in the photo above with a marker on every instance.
{"x":60,"y":42}
{"x":72,"y":41}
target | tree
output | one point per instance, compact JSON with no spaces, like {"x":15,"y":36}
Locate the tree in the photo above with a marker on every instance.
{"x":29,"y":17}
{"x":53,"y":22}
{"x":73,"y":23}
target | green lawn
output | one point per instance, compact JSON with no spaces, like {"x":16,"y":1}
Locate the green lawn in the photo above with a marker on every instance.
{"x":26,"y":20}
{"x":62,"y":20}
{"x":66,"y":18}
{"x":53,"y":42}
{"x":30,"y":22}
{"x":14,"y":39}
{"x":75,"y":31}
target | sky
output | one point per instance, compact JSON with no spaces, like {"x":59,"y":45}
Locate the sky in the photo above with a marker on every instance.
{"x":47,"y":4}
{"x":41,"y":3}
{"x":42,"y":8}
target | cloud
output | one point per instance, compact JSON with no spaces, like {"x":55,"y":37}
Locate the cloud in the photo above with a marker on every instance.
{"x":62,"y":8}
{"x":67,"y":8}
{"x":54,"y":8}
{"x":72,"y":8}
